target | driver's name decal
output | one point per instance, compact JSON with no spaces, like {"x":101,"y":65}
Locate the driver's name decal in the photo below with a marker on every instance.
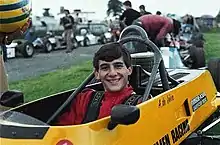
{"x":165,"y":100}
{"x":175,"y":134}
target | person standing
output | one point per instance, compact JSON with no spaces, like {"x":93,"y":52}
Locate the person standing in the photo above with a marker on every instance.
{"x":129,"y":15}
{"x":68,"y":21}
{"x":143,"y":11}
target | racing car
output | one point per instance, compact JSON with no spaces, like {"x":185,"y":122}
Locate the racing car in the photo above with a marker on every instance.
{"x":190,"y":48}
{"x":20,"y":47}
{"x":179,"y":111}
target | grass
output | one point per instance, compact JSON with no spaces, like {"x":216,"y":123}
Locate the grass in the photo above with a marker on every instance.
{"x":52,"y":82}
{"x":65,"y":79}
{"x":212,"y":46}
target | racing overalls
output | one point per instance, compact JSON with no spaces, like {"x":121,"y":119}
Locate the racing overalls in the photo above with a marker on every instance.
{"x":79,"y":107}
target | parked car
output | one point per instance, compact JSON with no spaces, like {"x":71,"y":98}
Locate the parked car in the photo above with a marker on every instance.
{"x":20,"y":47}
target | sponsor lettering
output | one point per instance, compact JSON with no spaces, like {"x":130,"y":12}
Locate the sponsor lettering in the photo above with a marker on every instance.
{"x":198,"y":101}
{"x":163,"y":141}
{"x":180,"y":131}
{"x":176,"y":134}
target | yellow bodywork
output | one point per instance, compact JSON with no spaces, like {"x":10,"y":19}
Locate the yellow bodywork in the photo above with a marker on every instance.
{"x":163,"y":120}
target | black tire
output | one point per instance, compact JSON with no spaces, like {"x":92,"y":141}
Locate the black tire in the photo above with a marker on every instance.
{"x":75,"y":43}
{"x":27,"y":49}
{"x":48,"y":47}
{"x":197,"y":55}
{"x":103,"y":40}
{"x":86,"y":42}
{"x":214,"y":69}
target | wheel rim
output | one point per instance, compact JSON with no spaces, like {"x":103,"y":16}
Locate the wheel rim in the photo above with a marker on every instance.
{"x":87,"y":42}
{"x":49,"y":47}
{"x":75,"y":43}
{"x":29,"y":50}
{"x":104,"y":40}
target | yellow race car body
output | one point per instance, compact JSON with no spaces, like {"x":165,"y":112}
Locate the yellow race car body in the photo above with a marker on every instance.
{"x":166,"y":119}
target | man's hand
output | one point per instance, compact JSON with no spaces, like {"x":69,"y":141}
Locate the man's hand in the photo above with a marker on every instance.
{"x":7,"y":38}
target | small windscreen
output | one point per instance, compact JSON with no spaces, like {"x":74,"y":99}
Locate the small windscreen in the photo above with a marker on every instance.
{"x":17,"y":118}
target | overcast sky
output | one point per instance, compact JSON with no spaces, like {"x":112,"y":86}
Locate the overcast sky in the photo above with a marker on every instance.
{"x":180,"y":7}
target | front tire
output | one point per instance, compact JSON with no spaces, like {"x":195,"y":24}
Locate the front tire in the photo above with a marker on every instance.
{"x":27,"y":50}
{"x":197,"y":55}
{"x":214,"y":69}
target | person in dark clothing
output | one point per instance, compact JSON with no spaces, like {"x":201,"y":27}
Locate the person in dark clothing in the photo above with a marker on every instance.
{"x":4,"y":52}
{"x":157,"y":27}
{"x":143,"y":11}
{"x":112,"y":66}
{"x":129,"y":15}
{"x":68,"y":22}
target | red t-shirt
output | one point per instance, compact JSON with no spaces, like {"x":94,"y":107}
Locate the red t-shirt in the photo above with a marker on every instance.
{"x":156,"y":26}
{"x":79,"y":106}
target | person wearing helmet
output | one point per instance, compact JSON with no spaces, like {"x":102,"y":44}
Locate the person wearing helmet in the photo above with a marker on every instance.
{"x":14,"y":21}
{"x":157,"y":27}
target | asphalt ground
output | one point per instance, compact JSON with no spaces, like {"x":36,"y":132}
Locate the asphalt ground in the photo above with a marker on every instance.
{"x":41,"y":63}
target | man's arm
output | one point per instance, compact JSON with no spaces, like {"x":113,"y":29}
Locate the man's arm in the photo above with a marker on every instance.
{"x":122,"y":17}
{"x":72,"y":19}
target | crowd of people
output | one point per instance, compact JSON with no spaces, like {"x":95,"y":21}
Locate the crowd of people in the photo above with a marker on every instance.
{"x":156,"y":25}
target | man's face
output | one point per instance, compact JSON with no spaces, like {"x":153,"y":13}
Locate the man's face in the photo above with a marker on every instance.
{"x":126,"y":7}
{"x":141,"y":10}
{"x":66,"y":13}
{"x":113,"y":75}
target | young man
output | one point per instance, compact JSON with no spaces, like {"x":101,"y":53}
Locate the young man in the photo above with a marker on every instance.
{"x":143,"y":11}
{"x":112,"y":66}
{"x":157,"y":27}
{"x":68,"y":22}
{"x":129,"y":15}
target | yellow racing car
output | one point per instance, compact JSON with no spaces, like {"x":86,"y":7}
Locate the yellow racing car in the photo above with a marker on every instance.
{"x":182,"y":105}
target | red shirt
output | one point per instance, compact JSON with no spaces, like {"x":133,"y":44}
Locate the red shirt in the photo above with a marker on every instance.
{"x":79,"y":106}
{"x":156,"y":26}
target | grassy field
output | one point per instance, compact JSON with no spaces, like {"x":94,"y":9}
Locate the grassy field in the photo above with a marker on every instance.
{"x":65,"y":79}
{"x":212,"y":46}
{"x":53,"y":82}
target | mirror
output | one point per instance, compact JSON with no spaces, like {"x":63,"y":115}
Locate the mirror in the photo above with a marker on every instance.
{"x":124,"y":115}
{"x":12,"y":98}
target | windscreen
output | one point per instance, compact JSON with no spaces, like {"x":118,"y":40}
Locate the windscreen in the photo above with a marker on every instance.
{"x":17,"y":118}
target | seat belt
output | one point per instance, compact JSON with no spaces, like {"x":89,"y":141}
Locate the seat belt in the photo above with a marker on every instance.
{"x":94,"y":107}
{"x":95,"y":103}
{"x":133,"y":100}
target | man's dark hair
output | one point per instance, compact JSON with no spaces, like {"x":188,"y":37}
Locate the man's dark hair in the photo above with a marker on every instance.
{"x":68,"y":12}
{"x":176,"y":27}
{"x":142,"y":7}
{"x":110,"y":52}
{"x":127,"y":3}
{"x":158,"y":13}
